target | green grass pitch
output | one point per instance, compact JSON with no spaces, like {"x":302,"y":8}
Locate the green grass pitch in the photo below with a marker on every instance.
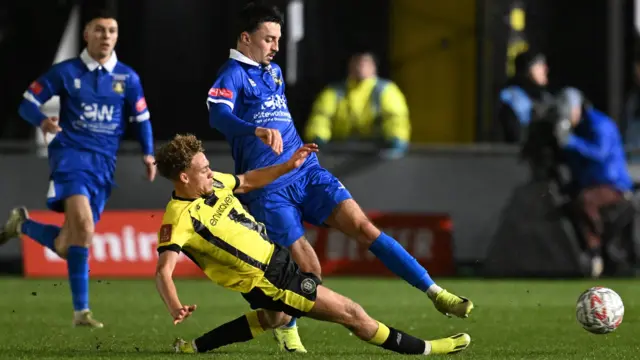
{"x":512,"y":320}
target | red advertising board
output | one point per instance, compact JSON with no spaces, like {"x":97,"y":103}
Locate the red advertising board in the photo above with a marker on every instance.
{"x":124,"y":245}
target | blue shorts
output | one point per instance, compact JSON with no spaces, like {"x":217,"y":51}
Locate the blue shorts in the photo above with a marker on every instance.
{"x":77,"y":172}
{"x":311,"y":198}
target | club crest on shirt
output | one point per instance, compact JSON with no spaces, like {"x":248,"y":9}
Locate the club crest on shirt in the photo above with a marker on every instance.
{"x":118,"y":86}
{"x":308,"y":286}
{"x":274,"y":75}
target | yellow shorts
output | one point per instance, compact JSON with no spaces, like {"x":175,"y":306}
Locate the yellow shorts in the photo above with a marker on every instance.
{"x":284,"y":287}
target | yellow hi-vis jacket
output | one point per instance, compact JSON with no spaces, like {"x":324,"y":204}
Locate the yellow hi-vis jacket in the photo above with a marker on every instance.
{"x":373,"y":109}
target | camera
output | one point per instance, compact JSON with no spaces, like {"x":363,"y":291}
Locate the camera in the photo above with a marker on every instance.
{"x":544,"y":135}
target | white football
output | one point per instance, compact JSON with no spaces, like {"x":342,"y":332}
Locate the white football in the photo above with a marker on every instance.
{"x":599,"y":310}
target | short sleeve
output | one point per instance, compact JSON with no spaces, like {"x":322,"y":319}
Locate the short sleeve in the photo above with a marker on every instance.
{"x":45,"y":87}
{"x":135,"y":99}
{"x":225,"y":181}
{"x":174,"y":234}
{"x":225,"y":89}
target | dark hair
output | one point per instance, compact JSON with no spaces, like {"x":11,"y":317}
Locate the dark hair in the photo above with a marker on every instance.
{"x":102,"y":13}
{"x":256,"y":13}
{"x":362,"y":53}
{"x":175,"y":156}
{"x":525,"y":60}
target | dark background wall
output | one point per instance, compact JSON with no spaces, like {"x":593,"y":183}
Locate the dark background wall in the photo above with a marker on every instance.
{"x":177,"y":47}
{"x":574,"y":37}
{"x":427,"y":47}
{"x":471,"y":186}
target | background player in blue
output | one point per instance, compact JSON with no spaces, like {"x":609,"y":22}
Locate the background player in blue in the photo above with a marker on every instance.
{"x":97,"y":93}
{"x":247,"y":104}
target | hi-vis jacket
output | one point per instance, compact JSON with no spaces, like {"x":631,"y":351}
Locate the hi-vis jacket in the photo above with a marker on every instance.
{"x":373,"y":109}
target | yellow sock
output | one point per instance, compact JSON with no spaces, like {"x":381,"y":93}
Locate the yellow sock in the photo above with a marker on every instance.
{"x":400,"y":342}
{"x":382,"y":334}
{"x":254,"y":323}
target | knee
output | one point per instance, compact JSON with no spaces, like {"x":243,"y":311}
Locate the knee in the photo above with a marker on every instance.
{"x":314,"y":268}
{"x":61,"y":248}
{"x":305,"y":256}
{"x":367,"y":232}
{"x":82,"y":231}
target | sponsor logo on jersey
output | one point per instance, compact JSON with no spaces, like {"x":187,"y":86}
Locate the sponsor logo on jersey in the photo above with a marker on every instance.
{"x":165,"y":233}
{"x":36,"y":88}
{"x":141,"y":105}
{"x":274,"y":102}
{"x":97,"y":112}
{"x":219,"y":92}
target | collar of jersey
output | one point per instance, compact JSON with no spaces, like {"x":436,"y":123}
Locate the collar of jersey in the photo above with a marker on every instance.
{"x":176,"y":197}
{"x":238,"y":56}
{"x":369,"y":82}
{"x":92,"y":64}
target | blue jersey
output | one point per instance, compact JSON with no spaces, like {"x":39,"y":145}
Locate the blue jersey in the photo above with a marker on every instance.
{"x":254,"y":94}
{"x":95,"y":100}
{"x":595,"y":153}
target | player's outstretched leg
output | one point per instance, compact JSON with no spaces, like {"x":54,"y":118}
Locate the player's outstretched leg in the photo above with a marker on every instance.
{"x":77,"y":257}
{"x":19,"y":223}
{"x":333,"y":307}
{"x":349,"y":218}
{"x":80,"y":220}
{"x":76,"y":252}
{"x":287,"y":336}
{"x":242,"y":329}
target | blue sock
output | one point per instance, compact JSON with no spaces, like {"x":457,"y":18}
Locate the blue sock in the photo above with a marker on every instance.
{"x":291,"y":323}
{"x":44,"y":234}
{"x":78,"y":266}
{"x":400,"y":262}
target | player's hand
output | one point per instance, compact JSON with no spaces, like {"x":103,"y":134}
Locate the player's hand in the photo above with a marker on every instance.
{"x":182,"y":313}
{"x":50,"y":125}
{"x":271,"y":138}
{"x":150,"y":162}
{"x":298,"y":158}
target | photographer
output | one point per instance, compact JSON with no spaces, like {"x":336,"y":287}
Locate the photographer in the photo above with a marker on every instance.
{"x":592,"y":148}
{"x":519,"y":97}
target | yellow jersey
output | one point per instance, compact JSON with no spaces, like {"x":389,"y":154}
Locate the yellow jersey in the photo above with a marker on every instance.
{"x":217,"y":234}
{"x":370,"y":109}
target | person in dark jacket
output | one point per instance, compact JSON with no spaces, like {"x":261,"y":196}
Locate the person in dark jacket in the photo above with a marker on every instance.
{"x":520,"y":95}
{"x":595,"y":155}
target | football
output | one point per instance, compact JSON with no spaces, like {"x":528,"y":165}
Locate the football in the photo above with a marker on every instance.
{"x":599,"y":310}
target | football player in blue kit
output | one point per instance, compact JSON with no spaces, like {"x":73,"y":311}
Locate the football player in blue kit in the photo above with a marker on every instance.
{"x":98,"y":96}
{"x":247,"y":104}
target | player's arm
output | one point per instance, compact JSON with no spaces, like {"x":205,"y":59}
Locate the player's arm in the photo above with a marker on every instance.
{"x":598,"y":148}
{"x":167,"y":261}
{"x":169,"y":248}
{"x":39,"y":92}
{"x":259,"y":178}
{"x":318,"y":127}
{"x":221,"y":102}
{"x":140,"y":116}
{"x":396,"y":127}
